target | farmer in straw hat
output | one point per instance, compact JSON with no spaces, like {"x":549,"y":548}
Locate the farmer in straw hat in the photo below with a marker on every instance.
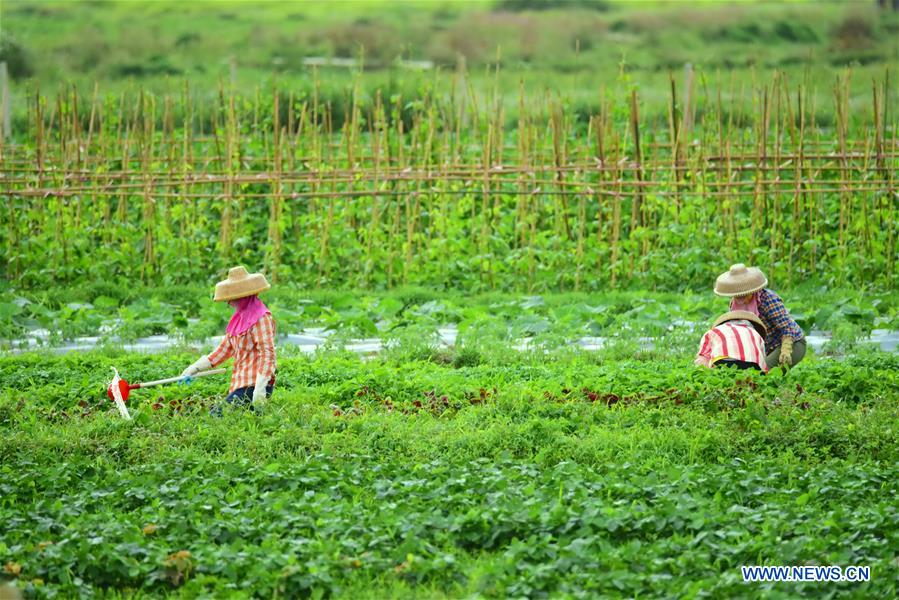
{"x":745,"y":286}
{"x":249,"y":339}
{"x":736,"y":339}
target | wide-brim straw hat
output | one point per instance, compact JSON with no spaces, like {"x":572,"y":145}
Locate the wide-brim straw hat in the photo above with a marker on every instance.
{"x":746,"y":315}
{"x":740,"y":280}
{"x":240,"y":284}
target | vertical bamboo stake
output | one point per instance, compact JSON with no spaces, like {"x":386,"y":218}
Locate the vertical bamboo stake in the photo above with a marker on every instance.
{"x":168,"y":131}
{"x":841,"y":106}
{"x":688,"y":101}
{"x":616,"y":214}
{"x":226,"y":224}
{"x":5,"y":123}
{"x":77,"y":152}
{"x":148,"y":266}
{"x":600,"y":126}
{"x":731,"y":204}
{"x":797,"y":189}
{"x":775,"y":200}
{"x":521,"y":140}
{"x":759,"y":218}
{"x":396,"y":187}
{"x":812,"y":199}
{"x":675,"y":143}
{"x":316,"y":207}
{"x":376,"y":130}
{"x":62,"y":241}
{"x":304,"y":132}
{"x":122,"y":208}
{"x":724,"y":151}
{"x":188,"y":216}
{"x":274,"y":219}
{"x":558,"y":138}
{"x":318,"y":151}
{"x":637,"y":209}
{"x":13,"y":242}
{"x":237,"y":160}
{"x":412,"y":223}
{"x":484,"y":238}
{"x":101,"y":208}
{"x":12,"y":252}
{"x":527,"y":213}
{"x":579,"y":249}
{"x":39,"y":158}
{"x":891,"y":203}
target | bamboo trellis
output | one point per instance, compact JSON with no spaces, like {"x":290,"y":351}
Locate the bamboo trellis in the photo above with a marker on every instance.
{"x":614,"y":190}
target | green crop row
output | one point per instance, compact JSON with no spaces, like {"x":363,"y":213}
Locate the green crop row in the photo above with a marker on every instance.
{"x":336,"y":526}
{"x":71,"y":389}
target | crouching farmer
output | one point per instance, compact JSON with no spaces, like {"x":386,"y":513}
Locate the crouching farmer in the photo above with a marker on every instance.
{"x":249,"y":339}
{"x":746,"y":287}
{"x":737,"y":339}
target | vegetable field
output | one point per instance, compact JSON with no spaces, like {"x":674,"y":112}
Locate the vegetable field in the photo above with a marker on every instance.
{"x":414,"y":479}
{"x":492,"y":231}
{"x":474,"y":470}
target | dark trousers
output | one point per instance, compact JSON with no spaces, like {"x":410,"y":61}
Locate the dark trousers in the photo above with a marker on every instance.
{"x":740,"y":364}
{"x":242,"y":397}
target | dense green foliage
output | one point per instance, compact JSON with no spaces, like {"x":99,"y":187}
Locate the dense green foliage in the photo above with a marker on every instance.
{"x":518,"y":193}
{"x":392,"y":477}
{"x":486,"y":323}
{"x":382,"y":192}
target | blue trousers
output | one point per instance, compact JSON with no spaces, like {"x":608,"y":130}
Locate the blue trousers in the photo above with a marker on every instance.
{"x":241,"y":397}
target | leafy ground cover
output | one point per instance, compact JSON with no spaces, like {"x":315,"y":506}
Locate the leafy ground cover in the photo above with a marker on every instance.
{"x":518,"y":476}
{"x":411,"y":316}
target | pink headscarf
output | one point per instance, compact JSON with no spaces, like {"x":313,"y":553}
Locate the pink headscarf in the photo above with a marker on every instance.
{"x":248,"y":310}
{"x":751,"y":305}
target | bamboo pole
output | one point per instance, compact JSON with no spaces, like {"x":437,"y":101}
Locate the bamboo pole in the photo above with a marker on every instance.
{"x":274,"y":229}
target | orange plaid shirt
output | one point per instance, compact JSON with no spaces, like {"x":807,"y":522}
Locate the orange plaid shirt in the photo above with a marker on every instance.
{"x":253,"y":352}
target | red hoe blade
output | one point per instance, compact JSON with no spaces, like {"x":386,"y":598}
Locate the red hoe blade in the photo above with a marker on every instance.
{"x":124,"y":389}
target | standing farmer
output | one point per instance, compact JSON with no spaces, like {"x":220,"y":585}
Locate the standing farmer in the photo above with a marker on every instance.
{"x":249,"y":339}
{"x":785,"y":342}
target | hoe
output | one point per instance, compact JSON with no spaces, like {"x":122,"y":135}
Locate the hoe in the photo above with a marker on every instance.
{"x":119,"y":389}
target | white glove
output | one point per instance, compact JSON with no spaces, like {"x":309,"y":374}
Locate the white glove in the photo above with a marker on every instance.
{"x":259,"y":396}
{"x":202,"y":364}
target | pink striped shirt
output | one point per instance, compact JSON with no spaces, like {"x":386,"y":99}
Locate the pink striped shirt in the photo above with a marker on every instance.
{"x":732,"y":340}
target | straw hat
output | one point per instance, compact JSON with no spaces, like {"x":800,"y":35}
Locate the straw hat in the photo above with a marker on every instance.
{"x":240,"y":284}
{"x":740,"y":280}
{"x":743,"y":314}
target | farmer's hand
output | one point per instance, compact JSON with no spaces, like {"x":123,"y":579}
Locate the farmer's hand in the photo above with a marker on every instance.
{"x":786,"y":353}
{"x":202,"y":364}
{"x":259,"y":396}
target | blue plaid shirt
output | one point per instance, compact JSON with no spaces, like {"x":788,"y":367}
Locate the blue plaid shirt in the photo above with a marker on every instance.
{"x":777,"y":319}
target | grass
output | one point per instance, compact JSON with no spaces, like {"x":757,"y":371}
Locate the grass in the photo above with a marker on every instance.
{"x":156,"y":44}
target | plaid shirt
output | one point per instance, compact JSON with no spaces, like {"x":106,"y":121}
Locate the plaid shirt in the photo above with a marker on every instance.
{"x":253,"y":352}
{"x":777,"y":319}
